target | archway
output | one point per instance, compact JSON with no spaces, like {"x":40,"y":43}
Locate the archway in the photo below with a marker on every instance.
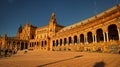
{"x":42,"y":44}
{"x":22,"y":46}
{"x":65,"y":41}
{"x":70,"y":40}
{"x":56,"y":42}
{"x":18,"y":45}
{"x":99,"y":35}
{"x":60,"y":42}
{"x":45,"y":42}
{"x":89,"y":37}
{"x":81,"y":38}
{"x":75,"y":39}
{"x":112,"y":32}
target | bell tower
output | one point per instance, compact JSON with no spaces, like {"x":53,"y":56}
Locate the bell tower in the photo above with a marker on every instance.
{"x":52,"y":25}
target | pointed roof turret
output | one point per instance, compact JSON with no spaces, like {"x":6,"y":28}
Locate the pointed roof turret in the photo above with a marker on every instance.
{"x":53,"y":14}
{"x":27,"y":24}
{"x":53,"y":18}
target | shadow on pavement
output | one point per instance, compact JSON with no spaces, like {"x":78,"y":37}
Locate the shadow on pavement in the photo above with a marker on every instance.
{"x":99,"y":64}
{"x":60,"y":61}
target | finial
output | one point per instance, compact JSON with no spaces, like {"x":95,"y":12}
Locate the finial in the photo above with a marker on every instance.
{"x":53,"y":14}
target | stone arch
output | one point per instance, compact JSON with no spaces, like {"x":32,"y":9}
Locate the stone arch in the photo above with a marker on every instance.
{"x":89,"y":37}
{"x":65,"y":41}
{"x":112,"y":32}
{"x":81,"y":38}
{"x":70,"y":40}
{"x":22,"y":45}
{"x":75,"y":39}
{"x":99,"y":35}
{"x":45,"y":42}
{"x":42,"y":44}
{"x":60,"y":42}
{"x":30,"y":44}
{"x":37,"y":43}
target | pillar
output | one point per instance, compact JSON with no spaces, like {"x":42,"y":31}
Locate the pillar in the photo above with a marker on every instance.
{"x":20,"y":46}
{"x":104,"y":36}
{"x":95,"y":38}
{"x":66,"y":41}
{"x":118,"y":33}
{"x":59,"y":42}
{"x":78,"y":40}
{"x":107,"y":36}
{"x":84,"y":39}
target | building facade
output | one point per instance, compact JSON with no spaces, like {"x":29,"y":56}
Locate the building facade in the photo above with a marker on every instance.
{"x":100,"y":33}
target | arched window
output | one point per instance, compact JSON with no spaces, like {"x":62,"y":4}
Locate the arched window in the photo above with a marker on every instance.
{"x":45,"y":42}
{"x":60,"y":42}
{"x":99,"y":35}
{"x":112,"y":32}
{"x":81,"y":38}
{"x":65,"y":41}
{"x":56,"y":42}
{"x":42,"y":44}
{"x":89,"y":37}
{"x":22,"y":46}
{"x":75,"y":39}
{"x":70,"y":40}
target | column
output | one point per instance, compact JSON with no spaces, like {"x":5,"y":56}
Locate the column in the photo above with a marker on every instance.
{"x":63,"y":41}
{"x":16,"y":45}
{"x":58,"y":42}
{"x":84,"y":39}
{"x":104,"y":36}
{"x":118,"y":33}
{"x":54,"y":43}
{"x":66,"y":41}
{"x":72,"y":39}
{"x":107,"y":36}
{"x":78,"y":40}
{"x":19,"y":46}
{"x":95,"y":38}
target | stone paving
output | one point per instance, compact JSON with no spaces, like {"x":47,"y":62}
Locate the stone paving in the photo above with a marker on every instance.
{"x":60,"y":59}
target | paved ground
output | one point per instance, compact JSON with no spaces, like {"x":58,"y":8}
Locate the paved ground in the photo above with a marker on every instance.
{"x":61,"y":59}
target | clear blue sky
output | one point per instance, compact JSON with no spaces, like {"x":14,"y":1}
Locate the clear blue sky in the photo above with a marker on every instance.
{"x":14,"y":13}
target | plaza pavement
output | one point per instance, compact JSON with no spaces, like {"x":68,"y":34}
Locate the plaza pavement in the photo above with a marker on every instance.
{"x":60,"y":59}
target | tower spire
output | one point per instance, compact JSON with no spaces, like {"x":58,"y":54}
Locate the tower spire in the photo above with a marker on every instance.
{"x":53,"y":14}
{"x":53,"y":18}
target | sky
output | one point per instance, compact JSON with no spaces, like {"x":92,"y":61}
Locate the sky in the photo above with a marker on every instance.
{"x":14,"y":13}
